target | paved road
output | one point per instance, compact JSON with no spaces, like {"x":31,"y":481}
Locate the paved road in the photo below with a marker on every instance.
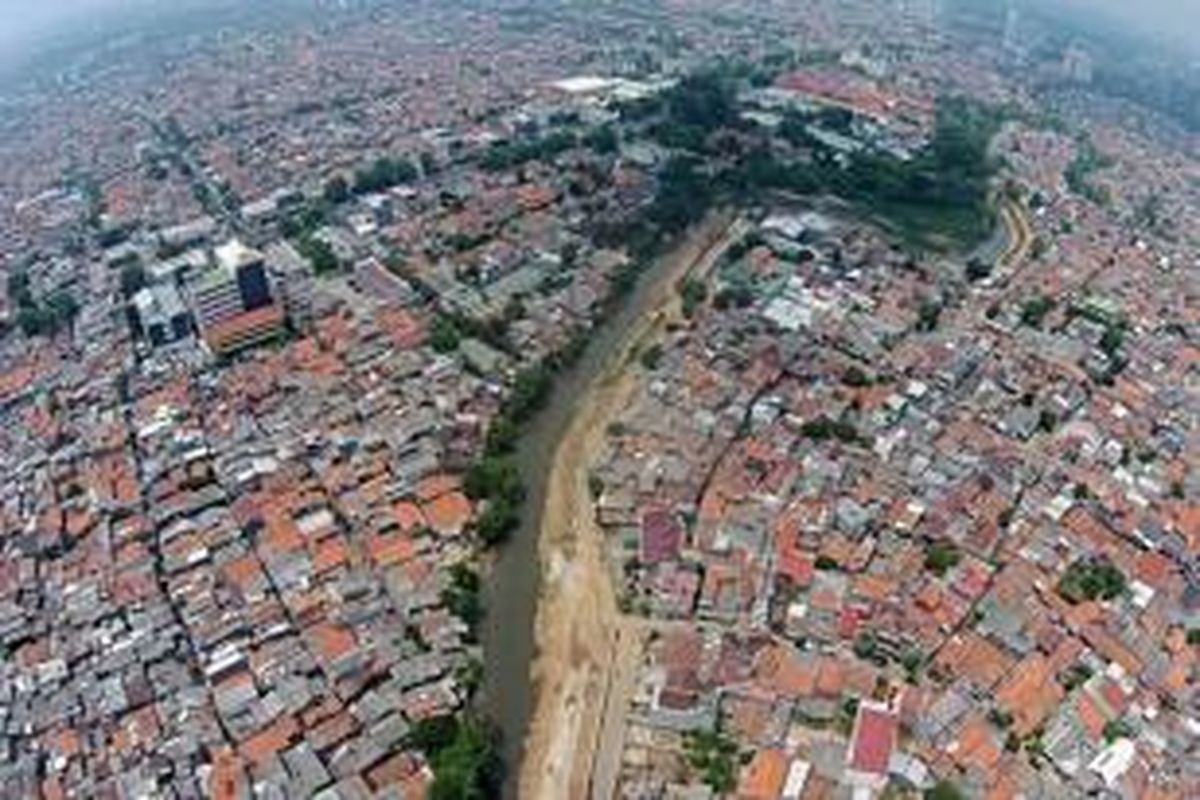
{"x":622,"y":680}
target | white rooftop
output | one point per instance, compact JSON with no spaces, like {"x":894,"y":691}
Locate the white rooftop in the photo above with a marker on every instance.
{"x":233,"y":254}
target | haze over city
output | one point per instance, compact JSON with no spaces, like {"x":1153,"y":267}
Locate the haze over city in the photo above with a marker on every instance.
{"x":24,"y":20}
{"x":624,"y":400}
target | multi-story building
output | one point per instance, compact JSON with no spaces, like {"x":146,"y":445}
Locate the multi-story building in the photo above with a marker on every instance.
{"x":290,"y":274}
{"x":161,"y":315}
{"x":233,"y":300}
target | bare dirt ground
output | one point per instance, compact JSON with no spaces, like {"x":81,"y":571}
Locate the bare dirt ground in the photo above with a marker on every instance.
{"x":588,"y":650}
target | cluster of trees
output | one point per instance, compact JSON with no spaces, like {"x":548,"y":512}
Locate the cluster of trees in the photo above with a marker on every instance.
{"x":381,"y":174}
{"x":870,"y":647}
{"x":464,"y":754}
{"x":944,"y":790}
{"x":495,"y":480}
{"x":508,"y":155}
{"x":943,"y":190}
{"x":734,"y":295}
{"x":464,"y":597}
{"x":319,"y":254}
{"x":40,"y":317}
{"x":929,"y":315}
{"x":1036,"y":309}
{"x":950,"y":175}
{"x":304,"y":221}
{"x":685,"y":119}
{"x":1112,"y":341}
{"x":1091,"y":579}
{"x":449,"y":329}
{"x":823,"y":429}
{"x":529,"y":394}
{"x":685,"y":194}
{"x":715,"y":757}
{"x":301,"y":226}
{"x":697,"y":106}
{"x":603,"y":140}
{"x":978,"y":269}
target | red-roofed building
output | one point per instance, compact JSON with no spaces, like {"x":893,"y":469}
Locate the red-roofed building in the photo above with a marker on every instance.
{"x":662,"y":536}
{"x":245,"y":330}
{"x":875,"y":733}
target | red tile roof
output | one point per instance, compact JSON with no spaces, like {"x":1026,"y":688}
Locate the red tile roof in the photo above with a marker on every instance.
{"x":662,"y":536}
{"x":875,"y":734}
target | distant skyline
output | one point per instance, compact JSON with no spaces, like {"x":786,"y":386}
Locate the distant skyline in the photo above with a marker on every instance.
{"x":1163,"y":17}
{"x":25,"y":21}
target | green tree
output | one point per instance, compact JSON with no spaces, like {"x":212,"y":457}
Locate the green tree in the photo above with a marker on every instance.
{"x":337,"y":190}
{"x":17,"y":285}
{"x":651,"y":357}
{"x":1118,"y":729}
{"x":499,"y":519}
{"x":604,"y":140}
{"x":444,"y":336}
{"x":941,"y":557}
{"x":433,"y":734}
{"x":737,"y":295}
{"x":133,"y":278}
{"x":1089,"y":579}
{"x":530,"y":392}
{"x":694,"y":293}
{"x":384,"y":173}
{"x":62,"y":307}
{"x":715,"y":757}
{"x":683,"y":198}
{"x":493,"y":477}
{"x":464,"y":755}
{"x":319,"y":253}
{"x":929,"y":313}
{"x":1035,"y":310}
{"x":945,"y":790}
{"x":698,"y":105}
{"x":978,"y":269}
{"x":866,"y":646}
{"x":464,"y":597}
{"x":33,"y":321}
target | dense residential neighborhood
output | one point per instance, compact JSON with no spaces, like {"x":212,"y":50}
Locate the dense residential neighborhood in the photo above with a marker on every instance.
{"x":901,"y":499}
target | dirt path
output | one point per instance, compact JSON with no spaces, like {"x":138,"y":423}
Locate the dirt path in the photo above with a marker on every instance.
{"x":580,"y":632}
{"x":1020,"y":234}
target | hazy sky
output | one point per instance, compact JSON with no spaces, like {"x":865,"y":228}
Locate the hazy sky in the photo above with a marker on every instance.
{"x":1178,"y":19}
{"x":20,"y":19}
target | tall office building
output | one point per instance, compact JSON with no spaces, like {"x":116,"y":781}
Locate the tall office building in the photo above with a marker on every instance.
{"x":1077,"y":64}
{"x":1012,"y":28}
{"x":234,"y":305}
